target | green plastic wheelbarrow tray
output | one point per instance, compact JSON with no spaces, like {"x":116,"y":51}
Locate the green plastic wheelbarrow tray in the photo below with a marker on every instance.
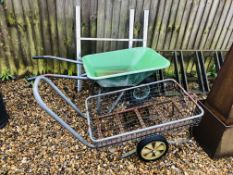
{"x":127,"y":67}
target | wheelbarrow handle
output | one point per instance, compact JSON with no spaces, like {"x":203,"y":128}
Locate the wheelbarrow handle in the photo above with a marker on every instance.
{"x":58,"y":58}
{"x":81,"y":77}
{"x":53,"y":114}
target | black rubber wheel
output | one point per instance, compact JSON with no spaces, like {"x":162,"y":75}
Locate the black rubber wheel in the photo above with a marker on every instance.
{"x":3,"y":123}
{"x":152,"y":148}
{"x":3,"y":114}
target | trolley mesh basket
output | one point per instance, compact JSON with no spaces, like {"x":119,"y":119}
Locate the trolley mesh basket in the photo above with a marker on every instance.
{"x":135,"y":112}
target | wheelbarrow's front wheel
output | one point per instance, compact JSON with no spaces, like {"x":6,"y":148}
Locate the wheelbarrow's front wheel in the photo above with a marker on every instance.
{"x":140,"y":94}
{"x":152,"y":148}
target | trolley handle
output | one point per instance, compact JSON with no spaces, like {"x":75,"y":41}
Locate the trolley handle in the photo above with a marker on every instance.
{"x":58,"y":58}
{"x":53,"y":114}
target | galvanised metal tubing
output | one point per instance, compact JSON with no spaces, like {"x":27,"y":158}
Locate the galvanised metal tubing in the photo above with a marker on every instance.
{"x":131,"y":26}
{"x":98,"y":100}
{"x":36,"y":92}
{"x":134,"y":87}
{"x":204,"y":76}
{"x":58,"y":58}
{"x":198,"y":68}
{"x":190,"y":50}
{"x":82,"y":77}
{"x":115,"y":103}
{"x":110,"y":39}
{"x":145,"y":27}
{"x":144,"y":129}
{"x":161,"y":77}
{"x":53,"y":114}
{"x":183,"y":73}
{"x":78,"y":45}
{"x":176,"y":67}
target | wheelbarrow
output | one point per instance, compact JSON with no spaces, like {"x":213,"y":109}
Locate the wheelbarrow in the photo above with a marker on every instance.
{"x":121,"y":68}
{"x":168,"y":106}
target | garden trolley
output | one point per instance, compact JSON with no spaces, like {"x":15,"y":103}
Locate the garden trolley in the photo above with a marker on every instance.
{"x":141,"y":112}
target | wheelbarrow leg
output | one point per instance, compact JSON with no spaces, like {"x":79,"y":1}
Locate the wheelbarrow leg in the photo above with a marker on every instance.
{"x":116,"y":102}
{"x":98,"y":101}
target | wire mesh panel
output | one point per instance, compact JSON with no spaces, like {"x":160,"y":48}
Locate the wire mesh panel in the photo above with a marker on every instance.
{"x":139,"y":111}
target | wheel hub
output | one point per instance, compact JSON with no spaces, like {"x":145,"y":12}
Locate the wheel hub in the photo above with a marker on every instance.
{"x":153,"y":150}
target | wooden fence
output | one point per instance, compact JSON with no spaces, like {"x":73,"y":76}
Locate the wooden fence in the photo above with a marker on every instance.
{"x":38,"y":27}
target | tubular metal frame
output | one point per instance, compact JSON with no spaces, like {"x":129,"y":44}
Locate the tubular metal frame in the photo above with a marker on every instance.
{"x":109,"y":140}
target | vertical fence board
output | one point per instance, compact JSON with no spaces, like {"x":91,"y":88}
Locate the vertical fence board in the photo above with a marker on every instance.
{"x":225,"y":27}
{"x":138,"y":21}
{"x":93,"y":23}
{"x":69,"y":38}
{"x":3,"y":61}
{"x":100,"y":23}
{"x":132,"y":5}
{"x":44,"y":18}
{"x":163,"y":28}
{"x":230,"y":41}
{"x":152,"y":16}
{"x":202,"y":24}
{"x":189,"y":27}
{"x":123,"y":23}
{"x":37,"y":27}
{"x":14,"y":38}
{"x":85,"y":11}
{"x":108,"y":24}
{"x":198,"y":18}
{"x":158,"y":24}
{"x":214,"y":25}
{"x":29,"y":31}
{"x":228,"y":34}
{"x":5,"y":44}
{"x":38,"y":36}
{"x":24,"y":46}
{"x":53,"y":32}
{"x":183,"y":24}
{"x":70,"y":34}
{"x":221,"y":23}
{"x":211,"y":17}
{"x":171,"y":23}
{"x":179,"y":16}
{"x":146,"y":5}
{"x":115,"y":21}
{"x":61,"y":32}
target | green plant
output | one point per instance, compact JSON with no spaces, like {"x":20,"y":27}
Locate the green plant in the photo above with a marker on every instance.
{"x":170,"y":74}
{"x":6,"y":76}
{"x":1,"y":1}
{"x":212,"y":72}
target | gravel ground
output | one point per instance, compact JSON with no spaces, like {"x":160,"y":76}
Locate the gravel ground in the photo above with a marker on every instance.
{"x":32,"y":143}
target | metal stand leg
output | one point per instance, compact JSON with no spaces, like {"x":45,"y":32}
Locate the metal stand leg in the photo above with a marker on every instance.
{"x":78,"y":46}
